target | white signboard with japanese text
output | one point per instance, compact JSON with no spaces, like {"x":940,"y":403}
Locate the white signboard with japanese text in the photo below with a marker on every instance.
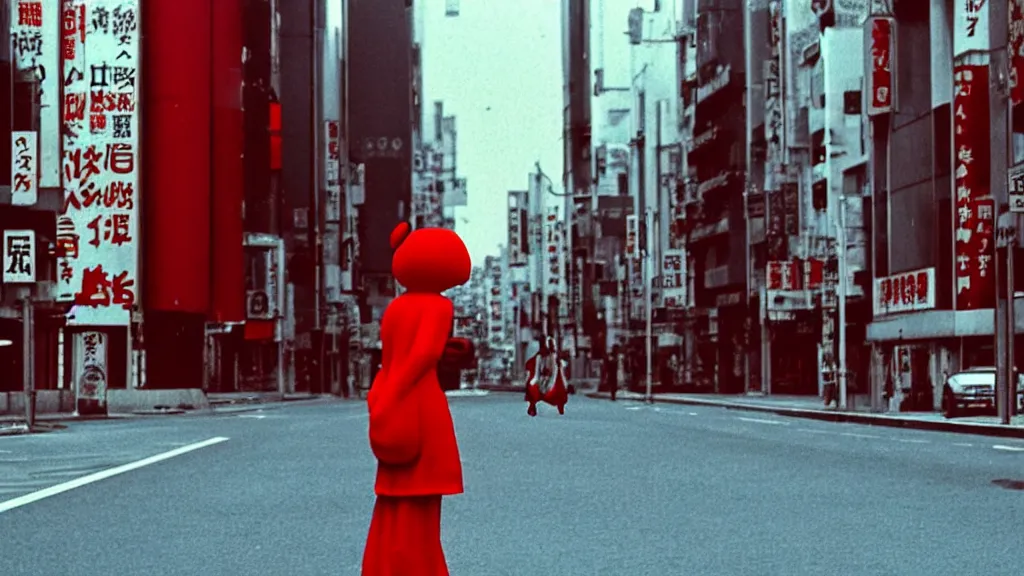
{"x":90,"y":368}
{"x":555,"y":282}
{"x":19,"y":256}
{"x":24,"y":169}
{"x":98,"y":229}
{"x":35,"y":50}
{"x":905,"y":292}
{"x":673,"y":278}
{"x":970,"y":26}
{"x":517,"y":228}
{"x":332,"y":171}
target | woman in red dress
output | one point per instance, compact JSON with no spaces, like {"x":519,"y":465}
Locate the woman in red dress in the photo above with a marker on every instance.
{"x":411,"y":430}
{"x":546,"y":379}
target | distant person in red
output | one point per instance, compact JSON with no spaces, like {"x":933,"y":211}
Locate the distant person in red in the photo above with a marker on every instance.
{"x":546,"y":380}
{"x":411,"y":431}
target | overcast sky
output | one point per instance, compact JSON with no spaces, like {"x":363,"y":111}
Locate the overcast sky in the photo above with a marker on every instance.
{"x":498,"y":68}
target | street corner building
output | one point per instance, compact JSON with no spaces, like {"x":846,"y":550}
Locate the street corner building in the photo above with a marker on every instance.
{"x":178,"y":217}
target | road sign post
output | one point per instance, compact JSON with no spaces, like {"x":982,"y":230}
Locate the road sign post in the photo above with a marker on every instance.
{"x":1006,"y":241}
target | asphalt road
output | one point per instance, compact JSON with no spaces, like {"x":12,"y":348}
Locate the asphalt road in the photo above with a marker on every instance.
{"x":610,"y":488}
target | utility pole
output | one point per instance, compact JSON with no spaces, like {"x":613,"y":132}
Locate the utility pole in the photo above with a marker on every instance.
{"x":648,"y":220}
{"x":841,"y":298}
{"x":1000,"y":144}
{"x":28,"y":360}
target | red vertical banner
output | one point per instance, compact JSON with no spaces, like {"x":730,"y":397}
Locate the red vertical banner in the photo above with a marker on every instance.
{"x":881,"y":47}
{"x":974,"y":209}
{"x":1016,"y":46}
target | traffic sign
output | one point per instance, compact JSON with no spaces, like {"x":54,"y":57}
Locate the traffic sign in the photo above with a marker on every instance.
{"x":1015,"y":186}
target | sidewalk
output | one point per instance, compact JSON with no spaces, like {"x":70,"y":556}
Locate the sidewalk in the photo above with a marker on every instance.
{"x":228,"y":403}
{"x":811,"y":407}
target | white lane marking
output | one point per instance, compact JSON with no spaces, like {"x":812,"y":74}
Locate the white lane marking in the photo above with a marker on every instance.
{"x":762,"y":421}
{"x":1008,"y":448}
{"x":963,"y":444}
{"x":634,"y":407}
{"x":691,"y":413}
{"x":855,"y":435}
{"x":103,"y":475}
{"x":254,"y":416}
{"x":912,"y":441}
{"x":813,"y":431}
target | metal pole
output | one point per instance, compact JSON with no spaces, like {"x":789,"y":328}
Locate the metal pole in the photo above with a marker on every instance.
{"x":841,"y":297}
{"x":28,"y":360}
{"x":748,"y":271}
{"x":1010,"y":400}
{"x":313,"y":219}
{"x":647,"y":300}
{"x":999,"y":143}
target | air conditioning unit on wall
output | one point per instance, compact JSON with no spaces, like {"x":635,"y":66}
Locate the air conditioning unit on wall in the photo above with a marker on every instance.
{"x":258,"y":305}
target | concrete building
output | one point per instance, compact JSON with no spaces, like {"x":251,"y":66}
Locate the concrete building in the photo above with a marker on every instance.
{"x":935,"y":282}
{"x":206,"y":255}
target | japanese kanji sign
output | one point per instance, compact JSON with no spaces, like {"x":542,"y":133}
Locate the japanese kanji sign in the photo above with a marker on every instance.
{"x":35,"y":54}
{"x":974,"y":209}
{"x":98,"y":227}
{"x":673,"y":278}
{"x":905,"y":292}
{"x":970,"y":26}
{"x":19,"y":256}
{"x":24,"y":169}
{"x":881,"y":46}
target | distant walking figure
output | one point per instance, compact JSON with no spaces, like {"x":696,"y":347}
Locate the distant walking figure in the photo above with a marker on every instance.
{"x":411,"y":431}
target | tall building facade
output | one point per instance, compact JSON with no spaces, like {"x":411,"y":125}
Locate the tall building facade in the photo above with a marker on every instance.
{"x":184,"y":206}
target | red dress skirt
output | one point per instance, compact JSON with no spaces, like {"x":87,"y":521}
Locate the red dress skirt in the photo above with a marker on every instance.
{"x":405,"y":538}
{"x":558,"y":394}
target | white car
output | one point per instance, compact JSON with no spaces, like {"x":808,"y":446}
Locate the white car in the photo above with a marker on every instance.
{"x":974,"y":388}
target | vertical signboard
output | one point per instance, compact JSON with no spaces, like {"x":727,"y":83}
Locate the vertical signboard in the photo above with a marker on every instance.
{"x":34,"y":51}
{"x":881,"y":42}
{"x":332,"y":171}
{"x":673,"y":279}
{"x":970,"y":26}
{"x":19,"y":257}
{"x":517,"y":228}
{"x":99,"y":224}
{"x":1016,"y":48}
{"x":974,"y":209}
{"x":90,"y":374}
{"x":552,"y":252}
{"x":774,"y":104}
{"x":24,"y":169}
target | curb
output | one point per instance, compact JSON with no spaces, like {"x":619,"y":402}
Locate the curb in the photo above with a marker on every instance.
{"x":995,"y":430}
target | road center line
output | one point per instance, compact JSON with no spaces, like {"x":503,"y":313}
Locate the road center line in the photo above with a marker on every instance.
{"x":762,"y":421}
{"x":1008,"y":448}
{"x":103,"y":475}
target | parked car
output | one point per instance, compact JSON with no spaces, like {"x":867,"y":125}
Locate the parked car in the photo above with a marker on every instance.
{"x":974,"y":389}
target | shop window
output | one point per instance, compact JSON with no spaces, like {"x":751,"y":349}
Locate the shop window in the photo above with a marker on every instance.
{"x":819,"y":195}
{"x":818,"y":153}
